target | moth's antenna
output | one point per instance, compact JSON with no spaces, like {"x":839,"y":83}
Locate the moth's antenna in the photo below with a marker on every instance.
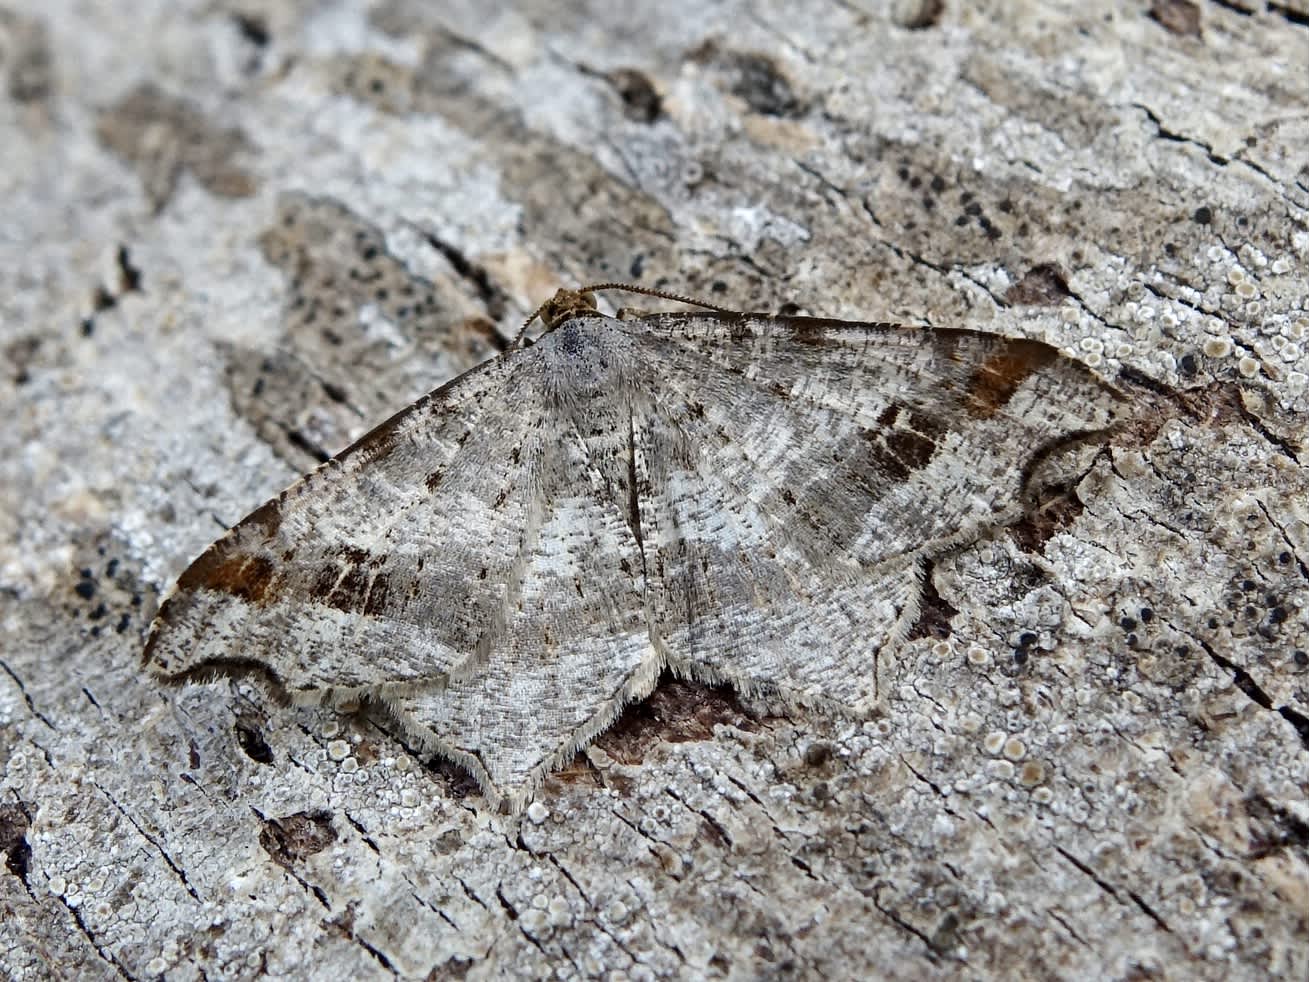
{"x":522,"y":331}
{"x":651,"y":292}
{"x":628,"y":288}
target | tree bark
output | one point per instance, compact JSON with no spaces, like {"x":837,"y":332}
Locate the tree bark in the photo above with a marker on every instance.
{"x":238,"y":233}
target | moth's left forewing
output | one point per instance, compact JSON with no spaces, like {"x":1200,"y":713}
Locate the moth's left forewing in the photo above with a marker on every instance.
{"x":930,"y":434}
{"x":802,"y":469}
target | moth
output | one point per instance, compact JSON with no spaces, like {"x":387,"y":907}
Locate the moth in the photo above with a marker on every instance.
{"x":738,"y":497}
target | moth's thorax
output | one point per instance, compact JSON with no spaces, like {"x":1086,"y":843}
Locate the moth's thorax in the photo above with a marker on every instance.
{"x":586,"y":358}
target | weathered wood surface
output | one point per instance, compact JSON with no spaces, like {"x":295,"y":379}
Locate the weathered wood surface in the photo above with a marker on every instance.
{"x":237,"y":233}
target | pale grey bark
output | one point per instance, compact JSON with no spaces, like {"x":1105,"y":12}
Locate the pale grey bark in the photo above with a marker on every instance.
{"x":1093,"y":762}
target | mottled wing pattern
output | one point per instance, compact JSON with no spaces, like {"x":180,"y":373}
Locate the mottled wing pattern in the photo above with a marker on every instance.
{"x":871,"y":440}
{"x":797,"y":470}
{"x":742,"y":497}
{"x":389,"y":565}
{"x":742,"y":592}
{"x":473,"y":564}
{"x":577,"y":645}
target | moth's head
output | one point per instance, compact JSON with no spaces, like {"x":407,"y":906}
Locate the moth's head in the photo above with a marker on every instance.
{"x":564,"y":305}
